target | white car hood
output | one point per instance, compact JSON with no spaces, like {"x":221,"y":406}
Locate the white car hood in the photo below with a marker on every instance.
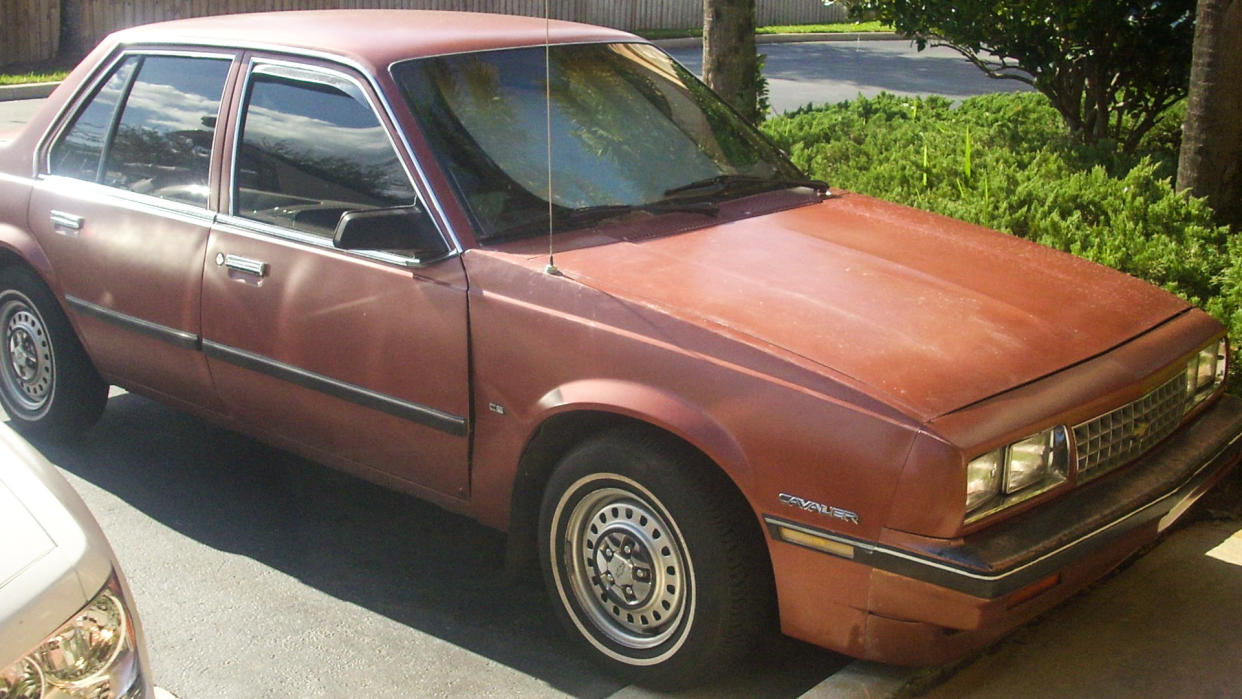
{"x":25,"y":540}
{"x":53,"y":556}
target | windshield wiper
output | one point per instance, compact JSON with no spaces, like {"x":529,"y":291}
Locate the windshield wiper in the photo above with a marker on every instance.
{"x":720,"y":183}
{"x":663,"y":206}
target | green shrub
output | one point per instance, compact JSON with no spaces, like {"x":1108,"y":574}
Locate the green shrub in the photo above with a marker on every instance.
{"x":1005,"y":161}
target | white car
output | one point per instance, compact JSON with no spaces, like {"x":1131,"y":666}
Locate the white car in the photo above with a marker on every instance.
{"x":67,"y":624}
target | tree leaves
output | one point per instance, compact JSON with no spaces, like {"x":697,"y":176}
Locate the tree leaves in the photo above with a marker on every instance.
{"x":1110,"y":68}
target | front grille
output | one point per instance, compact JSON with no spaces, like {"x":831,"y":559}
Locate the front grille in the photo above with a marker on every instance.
{"x":1115,"y":438}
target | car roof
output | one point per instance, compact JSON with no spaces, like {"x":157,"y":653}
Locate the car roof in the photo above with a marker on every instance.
{"x":375,"y":38}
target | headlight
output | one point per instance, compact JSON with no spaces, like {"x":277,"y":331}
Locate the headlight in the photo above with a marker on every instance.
{"x":92,"y":655}
{"x":983,"y":477}
{"x":1016,"y":472}
{"x":1205,"y":372}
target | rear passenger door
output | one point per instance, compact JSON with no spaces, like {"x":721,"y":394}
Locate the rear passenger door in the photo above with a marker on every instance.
{"x":123,"y":211}
{"x":358,"y":358}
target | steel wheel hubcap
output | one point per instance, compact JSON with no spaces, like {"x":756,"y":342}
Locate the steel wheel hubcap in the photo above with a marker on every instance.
{"x":626,"y":568}
{"x":28,"y":370}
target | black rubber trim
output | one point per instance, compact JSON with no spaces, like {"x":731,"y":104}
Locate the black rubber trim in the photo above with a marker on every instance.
{"x":178,"y":338}
{"x":999,"y":560}
{"x":421,"y":414}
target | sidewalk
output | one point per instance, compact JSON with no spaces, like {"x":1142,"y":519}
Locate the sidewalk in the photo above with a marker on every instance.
{"x":1168,"y":625}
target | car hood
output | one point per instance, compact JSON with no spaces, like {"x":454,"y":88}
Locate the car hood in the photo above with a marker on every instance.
{"x":930,"y":313}
{"x":26,"y":542}
{"x":53,"y":557}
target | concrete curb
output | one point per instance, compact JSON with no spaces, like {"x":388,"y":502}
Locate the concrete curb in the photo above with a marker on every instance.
{"x":862,"y":679}
{"x":28,"y":91}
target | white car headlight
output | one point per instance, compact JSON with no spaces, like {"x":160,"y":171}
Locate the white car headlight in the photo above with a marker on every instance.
{"x":1016,"y":472}
{"x":91,"y":655}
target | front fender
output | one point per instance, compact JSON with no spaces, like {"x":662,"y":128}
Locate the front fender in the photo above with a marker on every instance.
{"x":657,"y":407}
{"x":496,"y":474}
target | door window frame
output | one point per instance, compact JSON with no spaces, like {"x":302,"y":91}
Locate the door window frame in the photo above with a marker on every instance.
{"x":333,"y":76}
{"x":86,"y":94}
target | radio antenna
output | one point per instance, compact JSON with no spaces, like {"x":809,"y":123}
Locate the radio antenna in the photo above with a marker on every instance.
{"x":547,"y":102}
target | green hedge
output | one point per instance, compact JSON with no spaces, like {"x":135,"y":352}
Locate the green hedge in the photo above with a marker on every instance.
{"x":1005,"y":161}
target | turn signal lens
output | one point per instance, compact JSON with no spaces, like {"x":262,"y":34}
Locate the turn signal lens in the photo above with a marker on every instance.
{"x":813,"y":541}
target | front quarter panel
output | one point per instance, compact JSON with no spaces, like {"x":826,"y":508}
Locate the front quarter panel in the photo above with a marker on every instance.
{"x":545,"y":345}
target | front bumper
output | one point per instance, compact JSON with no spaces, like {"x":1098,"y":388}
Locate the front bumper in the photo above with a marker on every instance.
{"x":932,"y":599}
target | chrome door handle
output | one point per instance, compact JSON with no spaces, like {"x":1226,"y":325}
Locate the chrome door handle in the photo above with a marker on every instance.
{"x":66,"y":221}
{"x":242,"y":264}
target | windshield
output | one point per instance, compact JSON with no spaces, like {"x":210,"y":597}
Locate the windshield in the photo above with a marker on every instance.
{"x":630,"y":128}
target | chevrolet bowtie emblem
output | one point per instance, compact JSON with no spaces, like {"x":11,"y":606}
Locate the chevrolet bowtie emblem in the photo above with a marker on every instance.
{"x":1140,"y":430}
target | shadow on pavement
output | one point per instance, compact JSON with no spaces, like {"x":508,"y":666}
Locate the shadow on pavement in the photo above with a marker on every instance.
{"x":851,"y":68}
{"x":880,"y":66}
{"x":412,"y":562}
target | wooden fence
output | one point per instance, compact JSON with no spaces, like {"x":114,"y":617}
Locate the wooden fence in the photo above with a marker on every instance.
{"x":31,"y":30}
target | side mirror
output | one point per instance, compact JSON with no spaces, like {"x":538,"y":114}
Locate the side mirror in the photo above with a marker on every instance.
{"x":407,"y":230}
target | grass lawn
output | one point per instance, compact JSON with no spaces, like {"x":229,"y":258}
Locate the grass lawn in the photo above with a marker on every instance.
{"x":23,"y":78}
{"x":838,"y":28}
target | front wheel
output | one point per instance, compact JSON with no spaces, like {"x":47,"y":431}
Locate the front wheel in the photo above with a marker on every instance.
{"x":47,"y":384}
{"x":651,"y":560}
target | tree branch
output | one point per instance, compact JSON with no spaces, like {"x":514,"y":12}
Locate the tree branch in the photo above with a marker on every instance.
{"x":993,"y":70}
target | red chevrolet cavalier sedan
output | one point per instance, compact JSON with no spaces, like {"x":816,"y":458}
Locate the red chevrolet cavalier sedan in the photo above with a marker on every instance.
{"x":706,"y":393}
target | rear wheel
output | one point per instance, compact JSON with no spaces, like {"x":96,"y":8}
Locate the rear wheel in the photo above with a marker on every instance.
{"x":47,"y":384}
{"x":651,"y":560}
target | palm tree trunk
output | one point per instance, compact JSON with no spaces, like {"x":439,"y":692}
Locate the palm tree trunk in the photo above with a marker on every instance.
{"x":1210,"y":162}
{"x":729,"y":60}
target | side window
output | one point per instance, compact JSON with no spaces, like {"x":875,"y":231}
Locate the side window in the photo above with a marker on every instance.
{"x":79,"y":150}
{"x":312,"y":148}
{"x":148,"y":129}
{"x":162,"y":144}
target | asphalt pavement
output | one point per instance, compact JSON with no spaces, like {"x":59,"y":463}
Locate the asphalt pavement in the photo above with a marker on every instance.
{"x":260,"y":574}
{"x":828,"y":72}
{"x":14,"y":113}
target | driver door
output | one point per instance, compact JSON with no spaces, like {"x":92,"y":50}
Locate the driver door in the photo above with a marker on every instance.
{"x":357,"y":358}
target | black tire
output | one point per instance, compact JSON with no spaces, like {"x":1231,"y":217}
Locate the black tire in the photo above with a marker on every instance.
{"x":48,"y":386}
{"x":653,"y":562}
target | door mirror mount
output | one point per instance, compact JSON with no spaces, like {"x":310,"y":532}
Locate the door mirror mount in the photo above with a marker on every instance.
{"x":406,"y":230}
